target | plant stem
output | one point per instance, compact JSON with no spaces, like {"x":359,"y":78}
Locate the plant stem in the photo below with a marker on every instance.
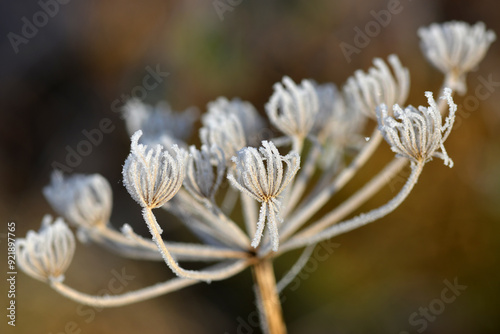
{"x":271,"y":315}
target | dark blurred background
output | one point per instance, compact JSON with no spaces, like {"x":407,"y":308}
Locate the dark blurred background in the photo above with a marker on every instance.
{"x":66,"y":76}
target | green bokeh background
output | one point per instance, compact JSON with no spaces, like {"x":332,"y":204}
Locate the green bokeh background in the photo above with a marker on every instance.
{"x":66,"y":77}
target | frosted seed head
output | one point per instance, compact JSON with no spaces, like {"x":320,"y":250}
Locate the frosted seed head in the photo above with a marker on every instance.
{"x":293,"y":108}
{"x":204,"y":171}
{"x":261,"y":175}
{"x":455,"y":48}
{"x":159,"y":120}
{"x":84,"y":200}
{"x":224,"y":131}
{"x":250,"y":120}
{"x":418,"y":134}
{"x":45,"y":255}
{"x":364,"y":92}
{"x":153,"y":176}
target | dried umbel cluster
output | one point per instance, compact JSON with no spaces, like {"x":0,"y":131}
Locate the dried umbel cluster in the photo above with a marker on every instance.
{"x":277,"y":185}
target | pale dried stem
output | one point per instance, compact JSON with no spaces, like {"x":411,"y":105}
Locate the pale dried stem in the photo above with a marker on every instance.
{"x":268,"y":300}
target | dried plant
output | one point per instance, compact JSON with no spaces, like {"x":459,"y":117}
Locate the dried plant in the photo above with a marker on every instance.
{"x":291,"y":176}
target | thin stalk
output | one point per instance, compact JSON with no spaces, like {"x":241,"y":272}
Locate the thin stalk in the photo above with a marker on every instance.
{"x":126,"y":298}
{"x":296,"y":268}
{"x":225,"y":231}
{"x":297,"y":219}
{"x":249,"y":206}
{"x":316,"y":233}
{"x":300,"y":183}
{"x":271,"y":315}
{"x":209,"y":275}
{"x":132,"y":245}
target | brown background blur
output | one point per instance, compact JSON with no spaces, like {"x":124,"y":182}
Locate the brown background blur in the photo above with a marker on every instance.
{"x":64,"y":81}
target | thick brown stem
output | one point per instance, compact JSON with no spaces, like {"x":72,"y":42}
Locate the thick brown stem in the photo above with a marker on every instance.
{"x":267,"y":298}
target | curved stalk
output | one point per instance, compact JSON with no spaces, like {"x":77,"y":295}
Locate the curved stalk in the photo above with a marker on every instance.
{"x":312,"y":235}
{"x":208,"y":275}
{"x":307,"y":210}
{"x":126,"y":298}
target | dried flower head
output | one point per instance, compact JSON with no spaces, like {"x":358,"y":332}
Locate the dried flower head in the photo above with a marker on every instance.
{"x":84,"y":200}
{"x":204,"y":171}
{"x":153,"y":176}
{"x":246,"y":113}
{"x":336,"y":127}
{"x":364,"y":92}
{"x":224,"y":131}
{"x":47,"y":254}
{"x":455,"y":48}
{"x":420,"y":132}
{"x":159,"y":120}
{"x":265,"y":183}
{"x":293,"y":108}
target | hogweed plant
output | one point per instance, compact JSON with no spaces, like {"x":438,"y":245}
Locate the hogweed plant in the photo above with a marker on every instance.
{"x":279,"y":184}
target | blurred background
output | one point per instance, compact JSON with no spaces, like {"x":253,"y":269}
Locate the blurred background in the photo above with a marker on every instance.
{"x":74,"y":70}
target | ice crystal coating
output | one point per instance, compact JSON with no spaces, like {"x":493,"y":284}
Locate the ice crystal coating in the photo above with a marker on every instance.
{"x":84,"y":200}
{"x":201,"y":180}
{"x":364,"y":92}
{"x":46,"y":254}
{"x":153,"y":176}
{"x":264,"y":183}
{"x":455,"y":48}
{"x":293,"y":108}
{"x":420,"y":132}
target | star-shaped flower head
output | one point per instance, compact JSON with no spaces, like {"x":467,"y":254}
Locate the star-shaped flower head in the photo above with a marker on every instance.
{"x":293,"y":108}
{"x":153,"y":176}
{"x":455,"y":48}
{"x":260,"y":175}
{"x":47,"y":254}
{"x":420,"y":133}
{"x":84,"y":200}
{"x":364,"y":92}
